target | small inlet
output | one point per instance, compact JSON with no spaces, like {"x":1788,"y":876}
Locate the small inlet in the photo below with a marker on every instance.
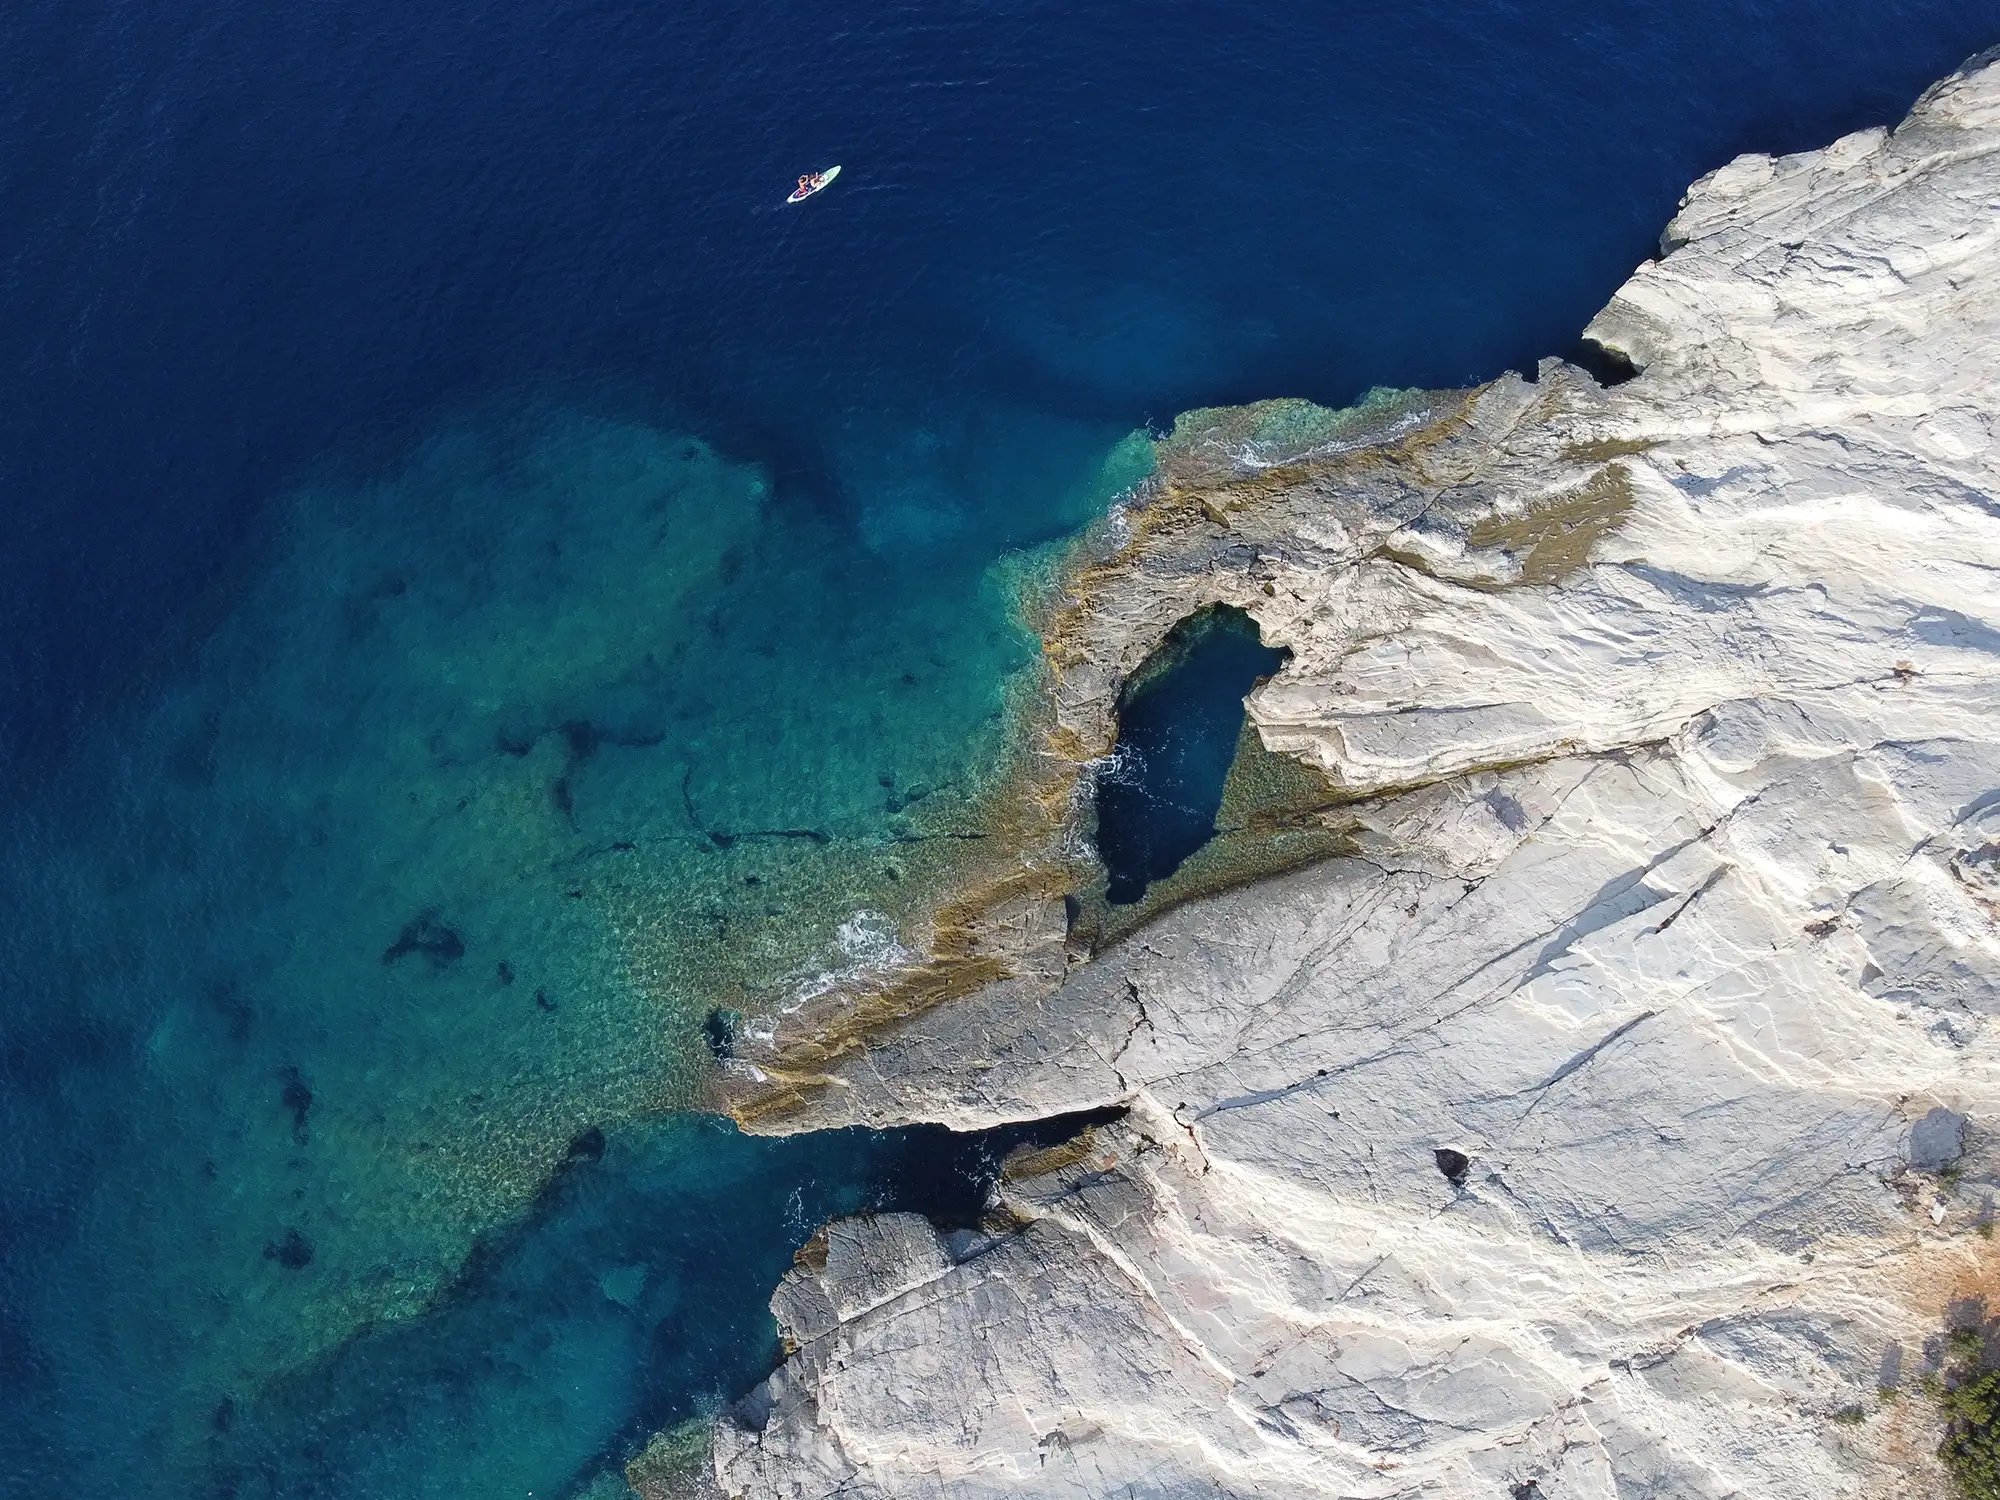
{"x":1179,"y":719}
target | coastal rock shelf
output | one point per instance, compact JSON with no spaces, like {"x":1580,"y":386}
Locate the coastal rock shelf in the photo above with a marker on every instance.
{"x":1607,"y":1108}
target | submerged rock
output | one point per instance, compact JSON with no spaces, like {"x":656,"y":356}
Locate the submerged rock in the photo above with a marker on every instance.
{"x":297,"y":1097}
{"x":1660,"y":726}
{"x":293,"y":1251}
{"x":426,"y":935}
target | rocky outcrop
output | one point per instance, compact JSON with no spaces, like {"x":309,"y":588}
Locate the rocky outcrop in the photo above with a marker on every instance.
{"x":1610,"y":1113}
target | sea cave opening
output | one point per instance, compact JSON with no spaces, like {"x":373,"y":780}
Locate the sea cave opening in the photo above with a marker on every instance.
{"x":1180,"y":717}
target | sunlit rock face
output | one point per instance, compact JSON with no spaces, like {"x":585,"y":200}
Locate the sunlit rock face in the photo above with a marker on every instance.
{"x":1613,"y":1118}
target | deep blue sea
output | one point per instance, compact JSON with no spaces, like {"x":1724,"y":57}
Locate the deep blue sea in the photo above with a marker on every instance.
{"x":485,"y":586}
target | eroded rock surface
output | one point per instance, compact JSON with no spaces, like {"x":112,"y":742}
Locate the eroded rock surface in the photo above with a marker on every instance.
{"x":1614,"y":1116}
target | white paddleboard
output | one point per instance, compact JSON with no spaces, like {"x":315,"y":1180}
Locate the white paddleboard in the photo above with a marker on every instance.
{"x":819,"y":181}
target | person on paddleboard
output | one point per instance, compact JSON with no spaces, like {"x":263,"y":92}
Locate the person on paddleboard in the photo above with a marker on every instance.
{"x":811,"y":183}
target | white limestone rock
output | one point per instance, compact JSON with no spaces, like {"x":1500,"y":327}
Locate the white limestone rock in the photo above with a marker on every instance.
{"x":1620,"y":1113}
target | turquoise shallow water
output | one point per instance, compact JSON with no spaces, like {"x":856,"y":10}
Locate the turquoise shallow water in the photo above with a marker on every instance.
{"x":509,"y":761}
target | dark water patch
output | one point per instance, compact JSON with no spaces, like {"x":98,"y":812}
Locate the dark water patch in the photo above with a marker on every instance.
{"x":720,"y":1029}
{"x":297,"y":1097}
{"x":230,"y":1006}
{"x":1605,"y":365}
{"x":634,"y":1296}
{"x":1179,"y":719}
{"x":428,"y":936}
{"x":292,"y":1250}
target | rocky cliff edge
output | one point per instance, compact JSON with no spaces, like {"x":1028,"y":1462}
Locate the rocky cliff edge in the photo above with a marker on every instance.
{"x":1603,"y":1105}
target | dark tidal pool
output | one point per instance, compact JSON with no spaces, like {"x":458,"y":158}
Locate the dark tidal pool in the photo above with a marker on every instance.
{"x":1178,"y":723}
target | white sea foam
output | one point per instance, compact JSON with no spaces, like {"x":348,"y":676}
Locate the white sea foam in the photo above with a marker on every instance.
{"x":1118,"y":520}
{"x":866,"y":944}
{"x":1251,"y":456}
{"x":1077,"y":842}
